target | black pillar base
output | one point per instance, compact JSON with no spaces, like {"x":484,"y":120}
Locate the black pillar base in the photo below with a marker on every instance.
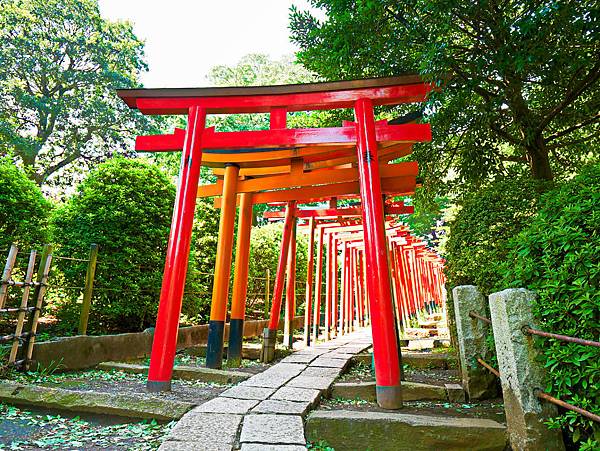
{"x":214,"y":348}
{"x":156,"y":387}
{"x":267,"y":353}
{"x":389,"y":397}
{"x":236,"y":339}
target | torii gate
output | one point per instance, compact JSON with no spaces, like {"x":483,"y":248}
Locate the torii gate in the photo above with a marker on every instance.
{"x":282,"y":165}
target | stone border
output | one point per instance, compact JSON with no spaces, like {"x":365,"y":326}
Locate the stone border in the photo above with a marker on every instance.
{"x":188,"y":373}
{"x":85,"y":351}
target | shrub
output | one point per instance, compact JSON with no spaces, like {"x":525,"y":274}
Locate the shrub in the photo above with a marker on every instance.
{"x":480,"y":232}
{"x":125,"y":207}
{"x":23,"y":209}
{"x":558,"y":257}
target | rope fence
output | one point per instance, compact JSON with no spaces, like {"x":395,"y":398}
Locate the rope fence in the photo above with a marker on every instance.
{"x":540,"y":394}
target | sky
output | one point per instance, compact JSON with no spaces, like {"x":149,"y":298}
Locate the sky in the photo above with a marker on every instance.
{"x":185,"y":38}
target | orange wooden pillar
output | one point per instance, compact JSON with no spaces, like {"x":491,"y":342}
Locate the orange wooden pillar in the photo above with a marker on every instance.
{"x":220,"y":294}
{"x":270,"y":333}
{"x":176,"y":261}
{"x":290,"y":296}
{"x":309,"y":281}
{"x":318,"y":286}
{"x":240,"y":282}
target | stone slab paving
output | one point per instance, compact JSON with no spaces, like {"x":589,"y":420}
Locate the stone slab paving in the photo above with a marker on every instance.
{"x":266,"y":412}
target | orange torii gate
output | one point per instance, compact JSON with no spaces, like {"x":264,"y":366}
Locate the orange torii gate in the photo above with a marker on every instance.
{"x":282,"y":165}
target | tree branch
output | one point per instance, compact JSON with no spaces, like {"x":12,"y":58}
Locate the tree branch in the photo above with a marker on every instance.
{"x":570,"y":96}
{"x":568,"y":130}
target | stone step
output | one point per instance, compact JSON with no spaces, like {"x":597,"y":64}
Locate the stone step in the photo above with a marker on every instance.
{"x":390,"y":431}
{"x":129,"y":406}
{"x":411,"y":391}
{"x":188,"y":373}
{"x":422,"y":360}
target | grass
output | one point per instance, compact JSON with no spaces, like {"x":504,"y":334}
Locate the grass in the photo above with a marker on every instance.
{"x":54,"y":432}
{"x":320,"y":445}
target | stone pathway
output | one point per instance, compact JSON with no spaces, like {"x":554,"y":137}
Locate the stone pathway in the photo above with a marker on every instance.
{"x":266,"y":412}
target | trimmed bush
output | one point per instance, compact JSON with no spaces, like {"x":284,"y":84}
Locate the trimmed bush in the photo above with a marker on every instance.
{"x":125,"y":207}
{"x":479,"y":234}
{"x":558,"y":256}
{"x":23,"y":210}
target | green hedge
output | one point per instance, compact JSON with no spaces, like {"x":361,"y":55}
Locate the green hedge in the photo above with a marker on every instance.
{"x":23,"y":210}
{"x":125,"y":207}
{"x":558,"y":256}
{"x":479,"y":234}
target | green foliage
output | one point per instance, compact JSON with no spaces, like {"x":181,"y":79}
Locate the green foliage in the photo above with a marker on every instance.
{"x":265,"y":246}
{"x":60,"y":63}
{"x":23,"y":209}
{"x":557,"y":257}
{"x":125,"y":207}
{"x":520,"y":79}
{"x":57,"y":432}
{"x":479,"y":234}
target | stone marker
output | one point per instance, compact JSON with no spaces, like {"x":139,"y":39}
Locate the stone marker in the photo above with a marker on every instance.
{"x":455,"y":392}
{"x":478,"y":382}
{"x":273,"y":429}
{"x":520,"y":372}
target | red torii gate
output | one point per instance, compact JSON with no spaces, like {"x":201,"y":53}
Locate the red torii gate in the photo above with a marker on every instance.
{"x":357,"y":143}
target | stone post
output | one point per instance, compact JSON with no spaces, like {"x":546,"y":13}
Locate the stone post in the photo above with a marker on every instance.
{"x":478,"y":382}
{"x":521,"y":373}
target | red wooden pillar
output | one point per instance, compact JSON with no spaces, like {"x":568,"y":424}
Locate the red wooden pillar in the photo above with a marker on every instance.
{"x":290,"y":296}
{"x":178,"y":250}
{"x":309,"y":280}
{"x":385,"y":340}
{"x":328,"y":286}
{"x":270,"y":333}
{"x":343,"y":292}
{"x":335,"y":288}
{"x":318,"y":285}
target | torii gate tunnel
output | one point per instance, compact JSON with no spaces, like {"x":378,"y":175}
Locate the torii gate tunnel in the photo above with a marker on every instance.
{"x":283,"y":165}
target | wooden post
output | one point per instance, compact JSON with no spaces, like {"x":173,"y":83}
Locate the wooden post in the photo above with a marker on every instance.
{"x":290,"y":296}
{"x":267,"y":291}
{"x":89,"y":289}
{"x":10,"y":263}
{"x":23,"y":307}
{"x":328,"y":286}
{"x":40,"y":291}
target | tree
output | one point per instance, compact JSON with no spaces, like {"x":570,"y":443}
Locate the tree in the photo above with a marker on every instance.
{"x":60,"y":63}
{"x":519,"y":78}
{"x":23,"y":209}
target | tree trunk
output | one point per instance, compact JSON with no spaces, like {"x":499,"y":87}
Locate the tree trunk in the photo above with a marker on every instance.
{"x":539,"y":163}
